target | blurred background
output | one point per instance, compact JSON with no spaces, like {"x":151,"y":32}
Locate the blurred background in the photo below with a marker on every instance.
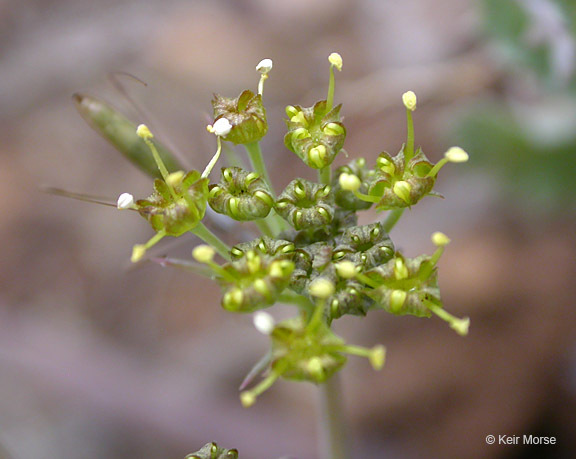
{"x":102,"y":359}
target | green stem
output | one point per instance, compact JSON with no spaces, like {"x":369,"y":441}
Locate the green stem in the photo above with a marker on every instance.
{"x":369,"y":282}
{"x":367,"y":197}
{"x":264,"y":227}
{"x":298,"y":300}
{"x":157,"y":159}
{"x":210,"y":238}
{"x":255,"y":155}
{"x":332,"y":428}
{"x":325,"y":175}
{"x":161,"y":167}
{"x":330,"y":97}
{"x":232,"y":157}
{"x":434,"y":171}
{"x":277,"y":222}
{"x":409,"y":150}
{"x":392,"y":218}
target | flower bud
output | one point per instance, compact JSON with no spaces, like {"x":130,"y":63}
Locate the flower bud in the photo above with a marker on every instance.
{"x":333,"y":129}
{"x":306,"y":353}
{"x":255,"y":281}
{"x":400,"y":269}
{"x":367,"y":245}
{"x":386,"y":165}
{"x":317,"y":157}
{"x":241,"y":195}
{"x":402,"y":189}
{"x":304,"y":204}
{"x":349,"y":182}
{"x":245,"y":114}
{"x":315,"y":134}
{"x":346,"y":269}
{"x":178,"y":209}
{"x":264,"y":245}
{"x":291,"y":111}
{"x":321,"y":288}
{"x":397,"y":300}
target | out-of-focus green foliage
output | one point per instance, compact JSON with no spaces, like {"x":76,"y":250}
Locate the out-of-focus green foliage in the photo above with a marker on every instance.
{"x":533,"y":170}
{"x":538,"y":36}
{"x":526,"y":135}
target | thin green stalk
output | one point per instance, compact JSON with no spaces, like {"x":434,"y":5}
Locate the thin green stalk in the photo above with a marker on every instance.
{"x":409,"y":150}
{"x":325,"y":175}
{"x":298,"y":300}
{"x":232,"y":157}
{"x":210,"y":238}
{"x":331,"y":84}
{"x":333,"y":444}
{"x":264,"y":228}
{"x":255,"y":155}
{"x":277,"y":222}
{"x":392,"y":218}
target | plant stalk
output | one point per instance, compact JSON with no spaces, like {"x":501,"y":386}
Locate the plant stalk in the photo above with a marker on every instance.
{"x":333,"y":444}
{"x":210,"y":238}
{"x":255,"y":155}
{"x":392,"y":218}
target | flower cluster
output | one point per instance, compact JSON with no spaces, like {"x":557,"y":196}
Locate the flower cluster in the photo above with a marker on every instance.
{"x":311,"y":251}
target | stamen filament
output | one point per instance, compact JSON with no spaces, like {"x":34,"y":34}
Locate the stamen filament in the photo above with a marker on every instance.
{"x":212,"y":162}
{"x":409,"y":149}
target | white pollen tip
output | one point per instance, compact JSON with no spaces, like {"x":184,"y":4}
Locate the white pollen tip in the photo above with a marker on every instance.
{"x":264,"y":66}
{"x":125,"y":201}
{"x":263,"y":322}
{"x":221,"y":127}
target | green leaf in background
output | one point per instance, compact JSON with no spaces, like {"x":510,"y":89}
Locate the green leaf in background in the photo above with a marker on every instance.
{"x":121,"y":133}
{"x":533,"y":168}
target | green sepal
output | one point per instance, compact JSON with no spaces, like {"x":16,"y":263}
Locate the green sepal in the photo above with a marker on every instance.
{"x":176,"y":216}
{"x":241,"y":195}
{"x":246,"y":114}
{"x":348,"y":297}
{"x":381,"y":183}
{"x":265,"y":245}
{"x":307,"y":131}
{"x":121,"y":133}
{"x":366,"y":245}
{"x":305,"y":205}
{"x":420,"y":285}
{"x":255,"y":281}
{"x":294,"y":346}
